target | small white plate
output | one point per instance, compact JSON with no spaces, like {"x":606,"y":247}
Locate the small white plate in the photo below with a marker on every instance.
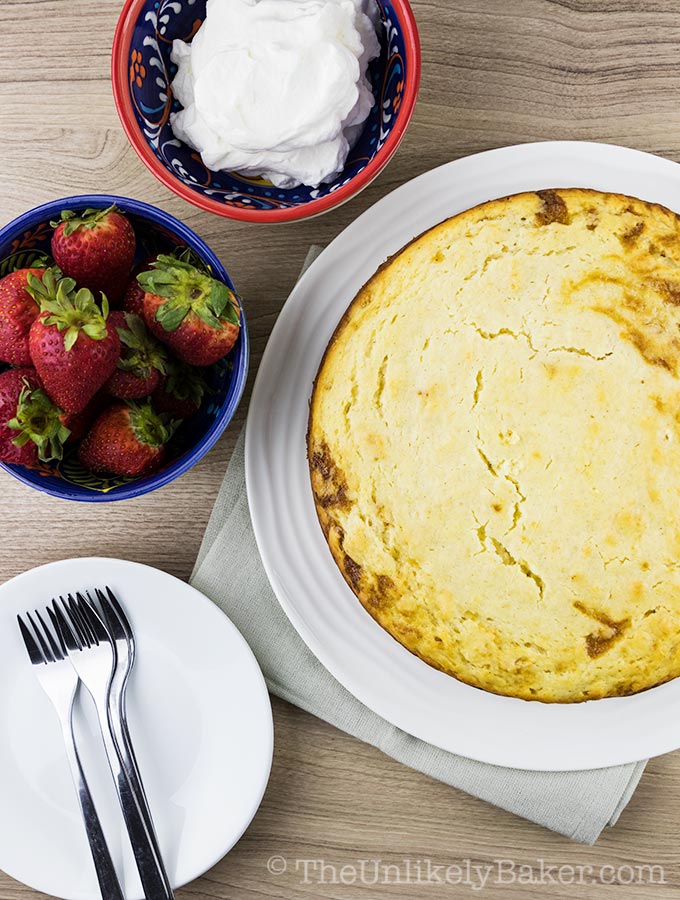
{"x":200,"y":720}
{"x":364,"y":658}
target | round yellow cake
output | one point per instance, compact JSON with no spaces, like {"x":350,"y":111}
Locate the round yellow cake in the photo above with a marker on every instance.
{"x":494,"y":446}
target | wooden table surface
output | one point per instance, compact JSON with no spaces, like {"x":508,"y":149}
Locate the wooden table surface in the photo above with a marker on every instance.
{"x":495,"y":72}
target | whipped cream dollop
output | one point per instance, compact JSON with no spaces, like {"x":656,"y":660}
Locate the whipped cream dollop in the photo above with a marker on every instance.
{"x":276,"y":88}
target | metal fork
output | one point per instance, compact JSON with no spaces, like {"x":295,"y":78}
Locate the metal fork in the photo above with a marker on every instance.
{"x":59,"y":681}
{"x":120,"y":630}
{"x":92,"y":652}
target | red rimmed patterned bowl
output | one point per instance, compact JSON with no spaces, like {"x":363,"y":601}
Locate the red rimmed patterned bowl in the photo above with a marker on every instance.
{"x":142,"y":71}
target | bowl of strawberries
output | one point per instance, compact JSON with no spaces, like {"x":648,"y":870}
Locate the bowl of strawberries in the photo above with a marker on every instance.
{"x":123,"y":348}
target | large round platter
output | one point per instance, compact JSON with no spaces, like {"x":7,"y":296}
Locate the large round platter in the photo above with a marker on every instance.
{"x":365,"y":659}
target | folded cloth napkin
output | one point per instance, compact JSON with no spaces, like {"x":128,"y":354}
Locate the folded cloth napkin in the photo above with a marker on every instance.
{"x":229,"y":570}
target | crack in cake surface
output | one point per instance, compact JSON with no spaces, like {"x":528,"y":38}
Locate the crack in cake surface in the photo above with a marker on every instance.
{"x":511,"y":445}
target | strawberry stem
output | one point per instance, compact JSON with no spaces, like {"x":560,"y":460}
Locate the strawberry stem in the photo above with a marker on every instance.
{"x":144,"y":353}
{"x":148,"y":427}
{"x":45,"y":288}
{"x":89,"y":218}
{"x":186,"y":289}
{"x":39,"y":420}
{"x":69,"y":310}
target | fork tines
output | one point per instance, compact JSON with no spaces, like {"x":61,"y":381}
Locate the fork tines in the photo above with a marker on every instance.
{"x":41,"y":643}
{"x":76,"y":624}
{"x":79,"y":622}
{"x":114,"y":612}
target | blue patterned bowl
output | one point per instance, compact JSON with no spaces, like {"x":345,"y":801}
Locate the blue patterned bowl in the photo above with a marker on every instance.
{"x":141,"y":71}
{"x":28,"y":237}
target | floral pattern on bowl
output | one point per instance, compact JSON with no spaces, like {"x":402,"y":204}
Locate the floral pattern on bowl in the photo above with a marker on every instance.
{"x":150,"y":72}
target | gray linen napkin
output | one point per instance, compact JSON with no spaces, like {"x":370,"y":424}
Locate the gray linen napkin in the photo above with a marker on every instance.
{"x":230,"y":572}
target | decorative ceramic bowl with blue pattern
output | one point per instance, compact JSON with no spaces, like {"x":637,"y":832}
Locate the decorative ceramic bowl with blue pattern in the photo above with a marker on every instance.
{"x":142,"y":72}
{"x":28,"y":238}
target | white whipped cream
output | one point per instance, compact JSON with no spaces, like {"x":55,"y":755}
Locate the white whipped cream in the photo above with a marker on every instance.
{"x":276,"y":88}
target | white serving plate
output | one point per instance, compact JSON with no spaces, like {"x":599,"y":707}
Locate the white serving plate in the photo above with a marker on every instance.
{"x":200,"y":721}
{"x":364,"y":658}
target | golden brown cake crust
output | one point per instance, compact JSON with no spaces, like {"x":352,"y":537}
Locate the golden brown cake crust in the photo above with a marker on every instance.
{"x":494,"y":445}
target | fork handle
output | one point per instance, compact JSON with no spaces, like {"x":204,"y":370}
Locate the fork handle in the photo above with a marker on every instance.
{"x":119,"y":727}
{"x":103,"y":864}
{"x":149,"y":863}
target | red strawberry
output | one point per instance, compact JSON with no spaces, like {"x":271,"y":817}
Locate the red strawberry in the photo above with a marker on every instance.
{"x":31,"y":427}
{"x":18,"y":310}
{"x":97,"y":248}
{"x":73,"y":347}
{"x":79,"y":423}
{"x":182,"y":392}
{"x":133,"y":299}
{"x":127,"y":439}
{"x":141,"y":366}
{"x":194,"y":314}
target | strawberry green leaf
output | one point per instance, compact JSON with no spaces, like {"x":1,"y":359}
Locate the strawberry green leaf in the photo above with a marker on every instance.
{"x":187,"y":255}
{"x":72,"y":311}
{"x":45,"y":289}
{"x":39,"y":420}
{"x":70,"y":338}
{"x":151,"y":277}
{"x":206,"y":316}
{"x":230,"y":313}
{"x":171,"y":317}
{"x":95,"y":330}
{"x":23,"y":438}
{"x":186,"y":288}
{"x":82,"y":298}
{"x":220,"y":295}
{"x":89,"y":218}
{"x":142,"y":352}
{"x":147,"y":425}
{"x":134,"y":335}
